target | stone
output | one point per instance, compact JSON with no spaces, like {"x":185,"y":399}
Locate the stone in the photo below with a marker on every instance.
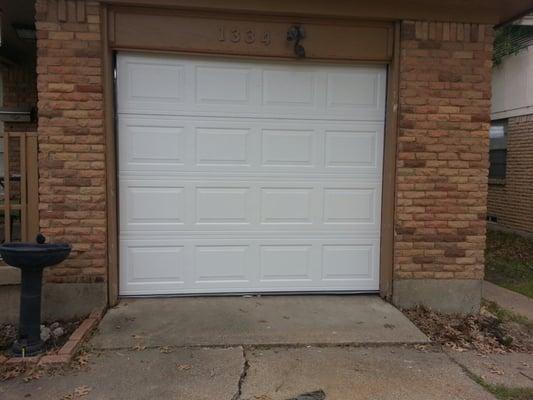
{"x":58,"y":332}
{"x":317,"y":395}
{"x":45,"y":333}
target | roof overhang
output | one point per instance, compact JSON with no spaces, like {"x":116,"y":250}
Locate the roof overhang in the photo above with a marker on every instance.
{"x":475,"y":11}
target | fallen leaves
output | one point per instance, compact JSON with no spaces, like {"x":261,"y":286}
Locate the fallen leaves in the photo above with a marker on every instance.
{"x":10,"y":373}
{"x":482,"y":332}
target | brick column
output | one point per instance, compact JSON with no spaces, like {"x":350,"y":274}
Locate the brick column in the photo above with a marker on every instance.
{"x":72,"y":186}
{"x":442,"y":165}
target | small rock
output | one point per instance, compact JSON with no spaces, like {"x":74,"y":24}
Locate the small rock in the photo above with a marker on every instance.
{"x":45,"y":333}
{"x":58,"y":332}
{"x":318,"y":395}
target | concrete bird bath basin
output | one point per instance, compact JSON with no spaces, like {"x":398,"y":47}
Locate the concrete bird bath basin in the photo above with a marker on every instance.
{"x":31,"y":259}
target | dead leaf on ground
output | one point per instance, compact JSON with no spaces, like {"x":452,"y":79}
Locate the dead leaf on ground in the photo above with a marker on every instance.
{"x":78,"y":392}
{"x":183,"y":367}
{"x":82,"y":391}
{"x":166,"y":349}
{"x":33,"y":374}
{"x":139,"y":347}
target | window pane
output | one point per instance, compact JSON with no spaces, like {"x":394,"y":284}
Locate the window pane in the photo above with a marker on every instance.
{"x":498,"y":135}
{"x":498,"y":163}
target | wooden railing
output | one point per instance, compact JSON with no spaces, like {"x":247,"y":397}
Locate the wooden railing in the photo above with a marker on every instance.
{"x":19,"y":187}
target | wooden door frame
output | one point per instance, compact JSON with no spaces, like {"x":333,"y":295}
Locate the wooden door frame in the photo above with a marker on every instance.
{"x":389,"y":156}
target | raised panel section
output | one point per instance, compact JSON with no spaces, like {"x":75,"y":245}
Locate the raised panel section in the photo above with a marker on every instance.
{"x":289,"y":87}
{"x":350,"y":149}
{"x":155,"y":205}
{"x":285,"y":263}
{"x":222,"y":205}
{"x":349,"y":206}
{"x":155,"y":264}
{"x":347,"y":262}
{"x":352,"y":89}
{"x":221,"y":264}
{"x":222,"y":146}
{"x":155,"y":145}
{"x":156,"y":82}
{"x":286,"y":205}
{"x":288,"y":147}
{"x":222,"y":85}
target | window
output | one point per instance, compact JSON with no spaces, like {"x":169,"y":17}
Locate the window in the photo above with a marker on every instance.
{"x":498,"y":149}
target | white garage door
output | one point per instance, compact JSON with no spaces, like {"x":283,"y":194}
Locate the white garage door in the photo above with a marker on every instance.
{"x":248,"y":176}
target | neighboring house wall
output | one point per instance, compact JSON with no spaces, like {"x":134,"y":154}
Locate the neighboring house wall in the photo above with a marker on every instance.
{"x":510,"y":201}
{"x":512,"y":86}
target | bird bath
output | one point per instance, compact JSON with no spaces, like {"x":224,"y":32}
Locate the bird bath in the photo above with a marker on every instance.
{"x":31,"y":259}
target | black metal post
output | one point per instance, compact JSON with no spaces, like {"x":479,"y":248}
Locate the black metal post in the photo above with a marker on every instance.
{"x":29,"y":341}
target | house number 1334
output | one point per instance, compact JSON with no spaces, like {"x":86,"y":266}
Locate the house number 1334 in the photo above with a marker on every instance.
{"x":248,"y":36}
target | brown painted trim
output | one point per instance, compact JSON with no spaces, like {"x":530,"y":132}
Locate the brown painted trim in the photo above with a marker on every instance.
{"x":389,"y":157}
{"x":389,"y":172}
{"x":111,"y":159}
{"x":252,"y":35}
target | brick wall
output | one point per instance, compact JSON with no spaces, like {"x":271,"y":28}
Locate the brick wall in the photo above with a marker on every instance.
{"x":512,"y":202}
{"x":442,"y":163}
{"x":71,"y":136}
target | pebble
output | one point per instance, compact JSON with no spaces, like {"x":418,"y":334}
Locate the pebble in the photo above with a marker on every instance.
{"x":45,"y":333}
{"x":57,"y":332}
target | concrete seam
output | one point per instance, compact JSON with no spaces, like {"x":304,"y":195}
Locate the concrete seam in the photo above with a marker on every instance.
{"x":473,"y":377}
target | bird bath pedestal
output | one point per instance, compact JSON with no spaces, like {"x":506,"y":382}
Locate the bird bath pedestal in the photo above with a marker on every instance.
{"x":31,"y":259}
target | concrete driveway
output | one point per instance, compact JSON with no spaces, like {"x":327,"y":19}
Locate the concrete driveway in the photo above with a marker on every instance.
{"x":278,"y":373}
{"x":267,"y":348}
{"x":266,"y":320}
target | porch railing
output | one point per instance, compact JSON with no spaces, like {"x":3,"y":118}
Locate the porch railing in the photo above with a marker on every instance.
{"x":19,"y":187}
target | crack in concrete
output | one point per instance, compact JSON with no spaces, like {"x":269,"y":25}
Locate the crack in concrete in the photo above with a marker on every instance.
{"x":242,"y":378}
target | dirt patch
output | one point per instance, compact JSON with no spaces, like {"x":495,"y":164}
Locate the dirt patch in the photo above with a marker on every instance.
{"x":485,"y":332}
{"x":54,"y":334}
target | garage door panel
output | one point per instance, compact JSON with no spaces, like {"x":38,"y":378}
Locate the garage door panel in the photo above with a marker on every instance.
{"x":267,"y":90}
{"x":223,"y":205}
{"x":245,"y":176}
{"x":174,"y":145}
{"x":245,"y":265}
{"x":190,"y":205}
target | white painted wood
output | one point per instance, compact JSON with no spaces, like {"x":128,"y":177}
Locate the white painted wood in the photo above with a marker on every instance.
{"x":248,"y":176}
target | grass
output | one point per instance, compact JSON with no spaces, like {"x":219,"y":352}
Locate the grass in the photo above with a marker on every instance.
{"x":509,"y":262}
{"x":502,"y":392}
{"x":506,"y":315}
